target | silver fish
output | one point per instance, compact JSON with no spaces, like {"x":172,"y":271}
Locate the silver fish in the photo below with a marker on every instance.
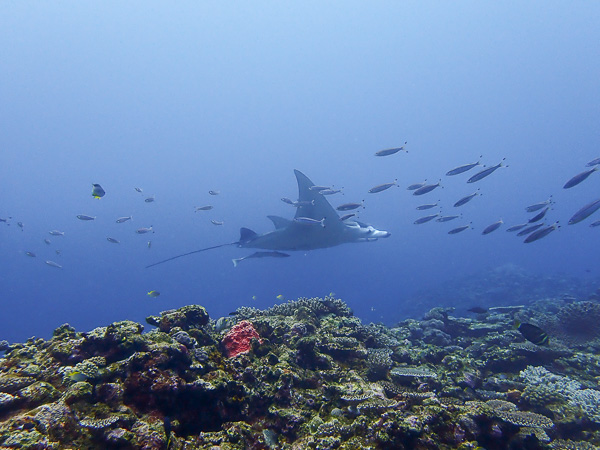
{"x":260,"y":255}
{"x":427,"y":188}
{"x":390,"y":151}
{"x":537,"y":206}
{"x":539,"y":216}
{"x":203,"y":208}
{"x":415,"y":186}
{"x":579,"y":178}
{"x":289,"y":201}
{"x":57,"y":251}
{"x":466,"y":199}
{"x":595,"y":224}
{"x":84,"y":217}
{"x":463,"y":168}
{"x":310,"y":221}
{"x":214,"y":192}
{"x":530,"y":229}
{"x":149,"y":244}
{"x":347,"y":216}
{"x":593,"y":162}
{"x":319,"y":188}
{"x":33,"y":255}
{"x":543,"y":232}
{"x":517,"y":227}
{"x":56,"y":233}
{"x":585,"y":212}
{"x":53,"y":264}
{"x":113,"y":240}
{"x":330,"y":191}
{"x":20,"y":225}
{"x":47,"y":241}
{"x":301,"y":203}
{"x":459,"y":229}
{"x":217,"y":222}
{"x":124,"y":219}
{"x":381,"y":187}
{"x":428,"y":206}
{"x":425,"y":219}
{"x":446,"y":218}
{"x":349,"y":206}
{"x":138,"y":189}
{"x":144,"y":230}
{"x":5,"y":220}
{"x":492,"y":227}
{"x":149,"y":199}
{"x":485,"y":172}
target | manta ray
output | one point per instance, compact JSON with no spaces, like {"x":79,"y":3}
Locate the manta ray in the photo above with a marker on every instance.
{"x":315,"y":225}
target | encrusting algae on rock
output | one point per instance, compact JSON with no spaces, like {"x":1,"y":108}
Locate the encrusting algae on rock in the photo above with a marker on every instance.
{"x":305,"y":374}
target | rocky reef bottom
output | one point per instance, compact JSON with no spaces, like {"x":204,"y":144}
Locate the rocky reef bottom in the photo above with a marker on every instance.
{"x":307,"y":374}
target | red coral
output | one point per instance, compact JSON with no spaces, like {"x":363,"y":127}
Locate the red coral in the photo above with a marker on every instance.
{"x":238,"y":339}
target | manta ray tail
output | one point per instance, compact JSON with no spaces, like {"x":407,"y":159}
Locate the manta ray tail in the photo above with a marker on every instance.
{"x":246,"y":235}
{"x":190,"y":253}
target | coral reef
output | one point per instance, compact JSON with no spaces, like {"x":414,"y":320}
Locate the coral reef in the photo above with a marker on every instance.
{"x":305,"y":374}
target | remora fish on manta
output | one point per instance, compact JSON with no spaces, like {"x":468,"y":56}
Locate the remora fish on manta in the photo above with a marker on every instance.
{"x":290,"y":235}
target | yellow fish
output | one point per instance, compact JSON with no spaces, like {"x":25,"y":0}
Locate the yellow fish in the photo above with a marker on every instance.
{"x":280,"y":297}
{"x":153,"y":293}
{"x":77,"y":376}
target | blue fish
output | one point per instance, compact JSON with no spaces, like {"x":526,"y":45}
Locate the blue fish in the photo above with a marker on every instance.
{"x":485,"y":172}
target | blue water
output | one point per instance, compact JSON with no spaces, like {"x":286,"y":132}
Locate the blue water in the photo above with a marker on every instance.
{"x":179,"y":99}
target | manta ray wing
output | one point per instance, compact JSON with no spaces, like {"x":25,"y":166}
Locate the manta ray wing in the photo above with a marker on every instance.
{"x":318,"y":207}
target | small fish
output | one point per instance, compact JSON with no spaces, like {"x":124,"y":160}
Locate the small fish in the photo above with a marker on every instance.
{"x":485,"y":172}
{"x":254,"y":297}
{"x":477,"y":310}
{"x":53,"y":264}
{"x":20,"y":225}
{"x":517,"y":227}
{"x":330,"y":191}
{"x":138,"y":189}
{"x":153,"y":294}
{"x":347,"y":216}
{"x":425,"y":219}
{"x":428,"y":206}
{"x":459,"y":229}
{"x":532,"y":333}
{"x":382,"y":187}
{"x":539,"y":216}
{"x":280,"y":297}
{"x":214,"y":192}
{"x":289,"y":201}
{"x":537,"y":206}
{"x":530,"y":229}
{"x":593,"y":162}
{"x":542,"y":232}
{"x":349,"y":206}
{"x":585,"y":212}
{"x":319,"y":188}
{"x":427,"y":188}
{"x":466,"y":199}
{"x":56,"y":233}
{"x":595,"y":224}
{"x":97,"y":191}
{"x":203,"y":208}
{"x":113,"y":240}
{"x":298,"y":204}
{"x":217,"y":222}
{"x":84,"y":217}
{"x":144,"y":230}
{"x":492,"y":227}
{"x":2,"y":219}
{"x":463,"y":168}
{"x":168,"y":428}
{"x":33,"y":255}
{"x":124,"y":219}
{"x":579,"y":178}
{"x":77,"y":376}
{"x":310,"y":221}
{"x":149,"y":244}
{"x":47,"y":241}
{"x":57,"y":251}
{"x":390,"y":151}
{"x":415,"y":186}
{"x":260,"y":255}
{"x":446,"y":218}
{"x":149,"y":199}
